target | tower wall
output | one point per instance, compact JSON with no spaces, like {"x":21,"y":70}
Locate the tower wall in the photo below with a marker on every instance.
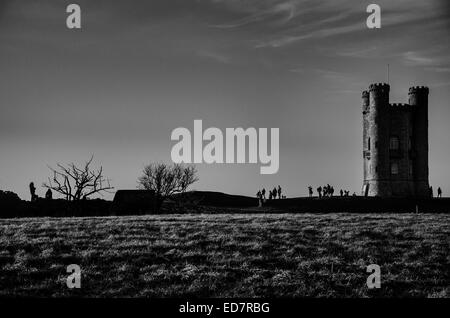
{"x":366,"y":141}
{"x":418,"y":98}
{"x":378,"y":180}
{"x":401,"y":128}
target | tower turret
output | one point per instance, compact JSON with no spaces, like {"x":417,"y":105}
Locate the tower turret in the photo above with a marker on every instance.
{"x":376,"y":156}
{"x":418,"y":99}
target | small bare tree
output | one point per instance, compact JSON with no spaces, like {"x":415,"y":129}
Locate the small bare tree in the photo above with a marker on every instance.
{"x":76,"y":183}
{"x":167,"y":180}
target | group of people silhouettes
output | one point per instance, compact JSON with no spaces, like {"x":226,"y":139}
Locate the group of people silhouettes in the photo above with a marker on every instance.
{"x":327,"y":191}
{"x":34,"y":196}
{"x":273,"y":194}
{"x":439,"y":192}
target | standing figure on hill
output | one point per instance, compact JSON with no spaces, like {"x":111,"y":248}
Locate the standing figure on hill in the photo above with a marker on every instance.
{"x":439,"y":192}
{"x":274,"y":193}
{"x":259,"y":196}
{"x":279,"y":192}
{"x":33,"y":192}
{"x":263,"y":193}
{"x":341,"y":193}
{"x":331,"y":191}
{"x":49,"y":194}
{"x":310,"y":190}
{"x":319,"y":191}
{"x":270,"y":195}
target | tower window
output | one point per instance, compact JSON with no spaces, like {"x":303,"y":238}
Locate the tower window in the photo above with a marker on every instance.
{"x":394,"y":143}
{"x":394,"y":168}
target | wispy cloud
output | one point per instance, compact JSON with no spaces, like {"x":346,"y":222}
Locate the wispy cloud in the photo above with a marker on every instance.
{"x":323,"y":33}
{"x":439,"y":69}
{"x":215,"y":56}
{"x":343,"y":79}
{"x":280,"y":13}
{"x":434,"y":60}
{"x":358,"y":52}
{"x":414,"y":59}
{"x":440,"y":84}
{"x":279,"y":23}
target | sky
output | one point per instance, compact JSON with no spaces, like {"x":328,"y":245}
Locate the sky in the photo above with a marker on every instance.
{"x":139,"y":69}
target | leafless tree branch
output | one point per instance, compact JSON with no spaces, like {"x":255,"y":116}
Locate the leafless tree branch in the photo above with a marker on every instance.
{"x":167,"y":180}
{"x":76,"y":183}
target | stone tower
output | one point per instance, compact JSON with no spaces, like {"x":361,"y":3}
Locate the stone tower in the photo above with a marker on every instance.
{"x":395,"y":143}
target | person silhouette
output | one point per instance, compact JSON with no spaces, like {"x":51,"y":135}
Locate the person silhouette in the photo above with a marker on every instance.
{"x":259,"y":196}
{"x":274,"y":192}
{"x":279,"y":192}
{"x":439,"y":192}
{"x":341,"y":193}
{"x":310,"y":190}
{"x":32,"y":191}
{"x":263,"y":193}
{"x":49,"y":194}
{"x":319,"y":191}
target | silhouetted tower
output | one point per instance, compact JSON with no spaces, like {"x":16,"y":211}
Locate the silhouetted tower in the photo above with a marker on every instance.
{"x":395,"y":143}
{"x":418,"y":99}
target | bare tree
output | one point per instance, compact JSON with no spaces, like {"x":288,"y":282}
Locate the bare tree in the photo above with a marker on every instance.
{"x":76,"y":183}
{"x":167,"y":180}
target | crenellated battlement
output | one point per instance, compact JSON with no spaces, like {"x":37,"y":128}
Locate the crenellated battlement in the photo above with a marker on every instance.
{"x":418,"y":89}
{"x":379,"y":87}
{"x":400,"y":105}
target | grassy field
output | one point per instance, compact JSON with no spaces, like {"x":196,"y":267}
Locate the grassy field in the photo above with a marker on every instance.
{"x":227,"y":255}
